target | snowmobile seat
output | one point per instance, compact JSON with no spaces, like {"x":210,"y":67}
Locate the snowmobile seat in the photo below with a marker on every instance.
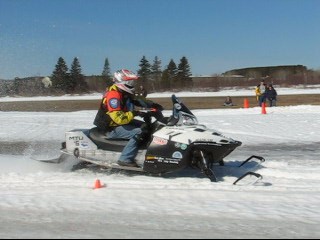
{"x":100,"y":139}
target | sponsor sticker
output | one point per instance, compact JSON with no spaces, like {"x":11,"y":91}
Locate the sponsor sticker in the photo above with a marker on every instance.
{"x":181,"y":146}
{"x":84,"y":145}
{"x":184,"y":146}
{"x":160,"y":141}
{"x":169,"y":160}
{"x":177,"y":155}
{"x":204,"y":140}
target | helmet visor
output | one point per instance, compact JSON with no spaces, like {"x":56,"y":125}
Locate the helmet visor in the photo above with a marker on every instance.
{"x":125,"y":88}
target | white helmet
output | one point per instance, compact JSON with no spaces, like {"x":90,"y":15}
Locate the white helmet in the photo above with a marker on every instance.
{"x":124,"y":79}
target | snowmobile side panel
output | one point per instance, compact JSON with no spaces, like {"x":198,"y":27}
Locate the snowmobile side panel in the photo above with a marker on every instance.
{"x":79,"y":139}
{"x":165,"y":156}
{"x":218,"y":150}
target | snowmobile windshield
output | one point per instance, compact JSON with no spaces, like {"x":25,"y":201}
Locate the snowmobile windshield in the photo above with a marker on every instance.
{"x":187,"y":119}
{"x":182,"y":114}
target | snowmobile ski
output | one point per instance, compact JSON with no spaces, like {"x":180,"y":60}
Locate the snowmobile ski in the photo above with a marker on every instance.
{"x":50,"y":160}
{"x":257,"y":175}
{"x":252,"y":157}
{"x":251,"y":172}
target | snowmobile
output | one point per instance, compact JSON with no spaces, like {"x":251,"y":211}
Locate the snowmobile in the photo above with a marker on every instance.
{"x":174,"y":143}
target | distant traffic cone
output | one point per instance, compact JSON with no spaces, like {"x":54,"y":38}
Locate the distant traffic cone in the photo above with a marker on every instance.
{"x":246,"y":103}
{"x":98,"y":184}
{"x":263,"y":108}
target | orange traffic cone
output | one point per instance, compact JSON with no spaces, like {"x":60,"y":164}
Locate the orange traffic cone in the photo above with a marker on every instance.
{"x":263,"y":108}
{"x":98,"y":184}
{"x":246,"y":103}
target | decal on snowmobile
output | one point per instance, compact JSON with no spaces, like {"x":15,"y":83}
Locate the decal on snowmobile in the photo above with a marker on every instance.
{"x":164,"y":160}
{"x":207,"y":143}
{"x":84,"y":145}
{"x":169,"y":161}
{"x":181,"y":146}
{"x":76,"y":138}
{"x":160,"y":141}
{"x":184,"y":146}
{"x":204,"y":140}
{"x":177,"y":155}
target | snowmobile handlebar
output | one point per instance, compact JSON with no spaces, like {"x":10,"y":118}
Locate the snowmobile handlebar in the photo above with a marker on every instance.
{"x":147,"y":113}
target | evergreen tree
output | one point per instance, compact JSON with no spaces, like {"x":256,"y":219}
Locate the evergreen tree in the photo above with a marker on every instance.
{"x":165,"y":81}
{"x":156,"y":73}
{"x":77,"y":80}
{"x":60,"y":75}
{"x":106,"y":68}
{"x":172,"y":74}
{"x":144,"y":71}
{"x":184,"y":74}
{"x":106,"y":71}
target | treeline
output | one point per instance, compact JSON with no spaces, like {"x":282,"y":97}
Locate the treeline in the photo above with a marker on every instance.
{"x":173,"y":78}
{"x":68,"y":82}
{"x":65,"y":80}
{"x":151,"y":76}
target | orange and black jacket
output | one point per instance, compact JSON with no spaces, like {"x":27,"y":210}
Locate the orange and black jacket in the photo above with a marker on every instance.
{"x":114,"y":109}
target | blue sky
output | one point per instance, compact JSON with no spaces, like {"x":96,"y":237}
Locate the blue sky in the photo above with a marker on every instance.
{"x":214,"y":35}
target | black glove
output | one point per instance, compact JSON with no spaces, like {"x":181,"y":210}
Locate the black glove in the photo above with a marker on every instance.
{"x":157,"y":106}
{"x":138,"y":113}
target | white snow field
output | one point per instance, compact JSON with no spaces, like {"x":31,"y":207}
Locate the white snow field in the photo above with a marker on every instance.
{"x":43,"y":200}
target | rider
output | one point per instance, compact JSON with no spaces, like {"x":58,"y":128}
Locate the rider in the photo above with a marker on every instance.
{"x":116,"y":115}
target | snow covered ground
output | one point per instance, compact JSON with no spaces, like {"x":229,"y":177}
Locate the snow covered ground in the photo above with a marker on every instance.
{"x":42,"y":200}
